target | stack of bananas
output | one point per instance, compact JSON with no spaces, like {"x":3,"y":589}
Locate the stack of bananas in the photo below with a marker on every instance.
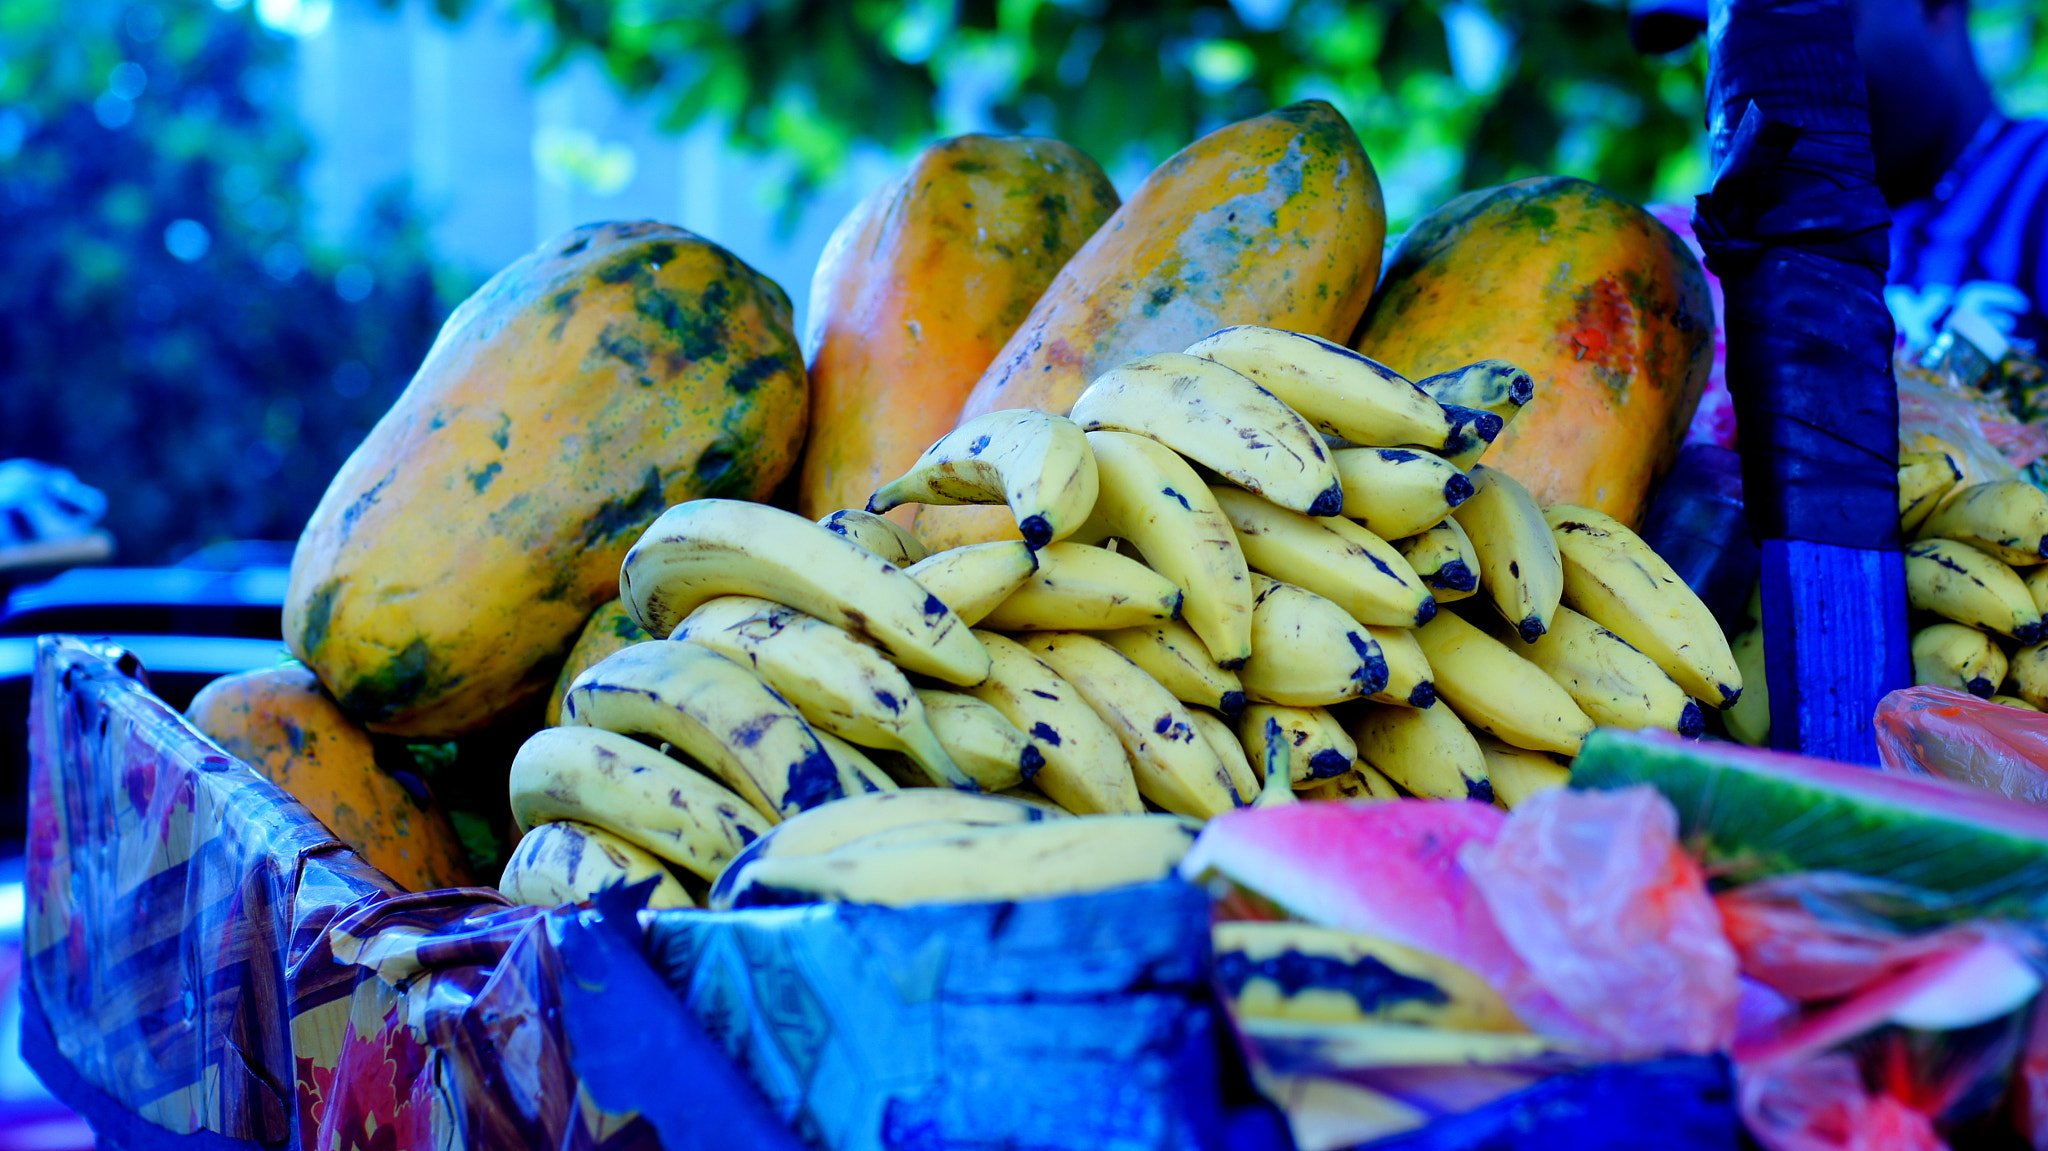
{"x":1226,"y":592}
{"x":1976,"y":582}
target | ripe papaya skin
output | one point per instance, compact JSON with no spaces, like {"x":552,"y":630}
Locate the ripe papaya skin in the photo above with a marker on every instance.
{"x":1597,"y":300}
{"x":1275,"y":220}
{"x":280,"y":722}
{"x":617,"y":370}
{"x":611,"y":629}
{"x":918,"y":290}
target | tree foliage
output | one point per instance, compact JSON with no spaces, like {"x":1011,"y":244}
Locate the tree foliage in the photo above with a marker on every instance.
{"x":167,"y":331}
{"x":1446,"y":94}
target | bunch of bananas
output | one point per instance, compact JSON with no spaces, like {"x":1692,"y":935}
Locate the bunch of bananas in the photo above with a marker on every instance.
{"x":1225,"y":592}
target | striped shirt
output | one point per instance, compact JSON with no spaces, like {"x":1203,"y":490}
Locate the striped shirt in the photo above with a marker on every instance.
{"x":1980,"y":241}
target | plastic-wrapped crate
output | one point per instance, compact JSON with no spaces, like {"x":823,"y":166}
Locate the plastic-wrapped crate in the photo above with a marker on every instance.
{"x":206,"y":960}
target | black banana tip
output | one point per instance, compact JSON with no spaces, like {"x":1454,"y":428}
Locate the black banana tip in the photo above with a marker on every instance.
{"x":870,"y":508}
{"x":1030,"y":762}
{"x":1457,"y":489}
{"x":1329,"y":503}
{"x":1037,"y":533}
{"x":1426,"y":612}
{"x":2028,"y":633}
{"x":1728,"y":695}
{"x":1980,"y":687}
{"x":1231,"y":705}
{"x":1531,"y":629}
{"x":1690,"y":722}
{"x":1478,"y":421}
{"x":1479,"y":790}
{"x":1424,"y":695}
{"x":1455,"y":576}
{"x":1328,"y":763}
{"x":1521,"y":388}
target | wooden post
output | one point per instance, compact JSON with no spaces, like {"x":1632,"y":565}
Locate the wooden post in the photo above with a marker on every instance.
{"x":1796,"y":229}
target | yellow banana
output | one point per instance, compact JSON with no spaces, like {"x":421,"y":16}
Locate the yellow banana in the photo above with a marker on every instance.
{"x":1330,"y":556}
{"x":1306,"y":651}
{"x":879,"y":534}
{"x":716,"y":712}
{"x":1490,"y":385}
{"x":1078,"y":587}
{"x":2007,"y":518}
{"x":1279,"y":759}
{"x":1518,"y":773}
{"x":1951,"y":655}
{"x":1312,"y":973}
{"x":835,"y":825}
{"x":1925,"y":479}
{"x":621,"y":785}
{"x":568,"y":862}
{"x":1318,"y":748}
{"x":1497,"y":691}
{"x":1174,"y":766}
{"x":973,"y":579}
{"x":860,"y":775}
{"x":2036,"y":581}
{"x":1519,"y":568}
{"x":841,"y":685}
{"x":1614,"y":579}
{"x":1427,"y":750}
{"x":2029,"y":672}
{"x":1409,"y":680}
{"x":1397,"y":492}
{"x":1363,"y":783}
{"x":1443,"y":557}
{"x":1220,"y":419}
{"x":1037,"y":463}
{"x":1341,"y":392}
{"x":1961,"y":583}
{"x":1244,"y":779}
{"x":976,"y":864}
{"x":1496,"y":383}
{"x":986,"y":745}
{"x":2013,"y":701}
{"x":706,"y":548}
{"x":1170,"y":652}
{"x":1086,"y":769}
{"x":1613,"y":683}
{"x":1748,"y":719}
{"x":1152,"y":500}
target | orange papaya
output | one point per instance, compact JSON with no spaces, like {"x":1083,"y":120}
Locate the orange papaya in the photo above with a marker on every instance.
{"x":611,"y":629}
{"x":280,"y":722}
{"x":917,"y":291}
{"x":1603,"y":305}
{"x":1275,"y":220}
{"x":613,"y":372}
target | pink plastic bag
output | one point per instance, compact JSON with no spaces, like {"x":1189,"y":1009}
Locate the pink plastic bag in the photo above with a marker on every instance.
{"x":1613,"y":919}
{"x":1944,"y":732}
{"x":1822,"y":1105}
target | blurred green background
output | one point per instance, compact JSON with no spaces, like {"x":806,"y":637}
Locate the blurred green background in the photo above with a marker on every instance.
{"x":179,"y":329}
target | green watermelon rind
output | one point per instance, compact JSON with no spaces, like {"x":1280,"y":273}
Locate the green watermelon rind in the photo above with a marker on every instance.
{"x":1750,"y":815}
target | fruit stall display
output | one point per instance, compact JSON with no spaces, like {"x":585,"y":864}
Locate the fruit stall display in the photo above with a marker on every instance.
{"x":1178,"y":647}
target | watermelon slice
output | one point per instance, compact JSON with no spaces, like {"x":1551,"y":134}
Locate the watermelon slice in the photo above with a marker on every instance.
{"x":1750,"y":814}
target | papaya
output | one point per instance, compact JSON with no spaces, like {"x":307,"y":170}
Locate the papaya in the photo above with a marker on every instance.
{"x":1275,"y":220}
{"x":1603,"y":305}
{"x":610,"y":629}
{"x":919,"y":288}
{"x":280,"y":722}
{"x":616,"y":370}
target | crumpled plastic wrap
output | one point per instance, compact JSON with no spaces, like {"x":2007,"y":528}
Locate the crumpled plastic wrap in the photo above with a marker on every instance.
{"x":1954,"y":735}
{"x":1613,"y":919}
